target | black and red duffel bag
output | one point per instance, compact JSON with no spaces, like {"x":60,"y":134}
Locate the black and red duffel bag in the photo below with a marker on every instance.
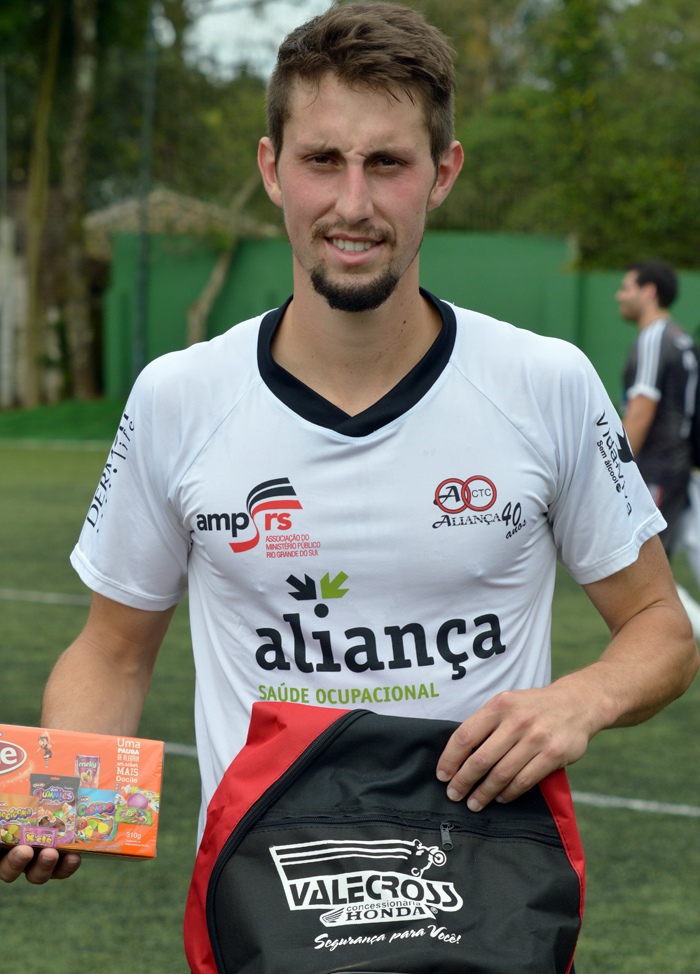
{"x":330,"y":846}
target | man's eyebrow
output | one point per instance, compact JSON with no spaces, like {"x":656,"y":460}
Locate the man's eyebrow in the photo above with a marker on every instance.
{"x":327,"y":149}
{"x":319,"y":147}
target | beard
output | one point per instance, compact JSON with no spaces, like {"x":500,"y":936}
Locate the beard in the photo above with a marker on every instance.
{"x":354,"y":298}
{"x":348,"y":295}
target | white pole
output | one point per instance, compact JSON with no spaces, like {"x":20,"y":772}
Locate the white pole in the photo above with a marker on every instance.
{"x":8,"y":313}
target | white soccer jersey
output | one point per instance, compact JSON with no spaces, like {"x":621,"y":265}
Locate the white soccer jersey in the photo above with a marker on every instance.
{"x":401,"y":560}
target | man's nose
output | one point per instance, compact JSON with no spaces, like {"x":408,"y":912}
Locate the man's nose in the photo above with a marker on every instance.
{"x":354,"y":203}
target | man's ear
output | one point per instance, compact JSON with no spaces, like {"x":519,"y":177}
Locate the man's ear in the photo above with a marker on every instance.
{"x":448,"y":170}
{"x":650,"y":292}
{"x":268,"y":170}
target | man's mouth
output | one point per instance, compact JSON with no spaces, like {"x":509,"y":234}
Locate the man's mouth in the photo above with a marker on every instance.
{"x":352,"y":246}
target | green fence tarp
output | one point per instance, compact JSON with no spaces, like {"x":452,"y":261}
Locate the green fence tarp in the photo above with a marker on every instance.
{"x":521,"y":279}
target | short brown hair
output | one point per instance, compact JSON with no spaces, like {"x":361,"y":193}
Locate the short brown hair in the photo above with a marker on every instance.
{"x":380,"y":46}
{"x":662,"y":276}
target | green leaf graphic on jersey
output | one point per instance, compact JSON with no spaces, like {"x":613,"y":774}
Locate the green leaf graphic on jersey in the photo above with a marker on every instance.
{"x":331,"y":589}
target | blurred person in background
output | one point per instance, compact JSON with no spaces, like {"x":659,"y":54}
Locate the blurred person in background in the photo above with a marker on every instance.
{"x":660,"y":386}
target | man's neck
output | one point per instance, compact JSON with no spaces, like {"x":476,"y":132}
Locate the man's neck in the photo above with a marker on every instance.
{"x":353,"y":359}
{"x":650,"y":315}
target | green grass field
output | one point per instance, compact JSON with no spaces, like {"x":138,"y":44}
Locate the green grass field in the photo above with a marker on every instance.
{"x":643,"y":868}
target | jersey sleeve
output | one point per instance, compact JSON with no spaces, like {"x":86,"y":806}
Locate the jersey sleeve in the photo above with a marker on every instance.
{"x":647,"y":377}
{"x":133,"y":547}
{"x":602,"y":512}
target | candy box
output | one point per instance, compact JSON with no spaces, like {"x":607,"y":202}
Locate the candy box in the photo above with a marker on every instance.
{"x":49,"y":798}
{"x":57,"y":795}
{"x":15,"y":811}
{"x":96,"y":822}
{"x":87,"y":769}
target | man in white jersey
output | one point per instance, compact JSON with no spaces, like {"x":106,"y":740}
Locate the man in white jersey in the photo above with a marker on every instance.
{"x":366,"y":490}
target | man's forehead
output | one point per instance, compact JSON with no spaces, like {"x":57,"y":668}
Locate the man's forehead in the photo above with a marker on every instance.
{"x":311,"y":98}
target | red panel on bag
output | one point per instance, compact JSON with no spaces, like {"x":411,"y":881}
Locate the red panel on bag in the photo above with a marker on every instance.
{"x":276,"y":738}
{"x":555,"y":789}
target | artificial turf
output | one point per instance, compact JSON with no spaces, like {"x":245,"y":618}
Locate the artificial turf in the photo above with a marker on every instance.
{"x":643,"y":868}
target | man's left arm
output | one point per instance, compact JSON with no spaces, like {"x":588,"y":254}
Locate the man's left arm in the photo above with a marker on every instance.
{"x":518,"y":737}
{"x":639,"y":415}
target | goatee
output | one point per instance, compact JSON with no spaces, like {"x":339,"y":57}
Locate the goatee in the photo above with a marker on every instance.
{"x":354,"y":298}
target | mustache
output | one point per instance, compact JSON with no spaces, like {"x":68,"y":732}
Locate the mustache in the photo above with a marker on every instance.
{"x":322,"y":230}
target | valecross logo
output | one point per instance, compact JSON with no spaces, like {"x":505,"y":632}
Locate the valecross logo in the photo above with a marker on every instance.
{"x":356,"y":882}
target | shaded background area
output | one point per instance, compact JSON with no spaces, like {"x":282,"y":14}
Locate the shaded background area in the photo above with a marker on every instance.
{"x":526,"y":280}
{"x":579,"y":120}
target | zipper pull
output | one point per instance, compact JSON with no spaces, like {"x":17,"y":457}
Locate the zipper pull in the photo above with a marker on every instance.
{"x":445,"y":837}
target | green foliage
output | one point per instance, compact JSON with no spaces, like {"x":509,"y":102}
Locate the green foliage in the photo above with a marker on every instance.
{"x":597,"y":137}
{"x":577,"y":117}
{"x":206,"y":129}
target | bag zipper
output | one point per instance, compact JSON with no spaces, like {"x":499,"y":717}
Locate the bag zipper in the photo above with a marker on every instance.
{"x":445,"y":828}
{"x":258,"y":809}
{"x":445,"y":838}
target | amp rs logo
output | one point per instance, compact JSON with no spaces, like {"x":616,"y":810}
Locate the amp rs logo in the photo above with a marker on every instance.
{"x":276,"y":499}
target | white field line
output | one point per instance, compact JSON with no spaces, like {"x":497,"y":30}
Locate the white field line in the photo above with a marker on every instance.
{"x":635,"y":804}
{"x":91,"y":446}
{"x":48,"y":598}
{"x":186,"y":750}
{"x":583,"y":797}
{"x":190,"y":751}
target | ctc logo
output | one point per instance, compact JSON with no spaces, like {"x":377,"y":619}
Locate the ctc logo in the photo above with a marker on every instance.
{"x":476,"y":493}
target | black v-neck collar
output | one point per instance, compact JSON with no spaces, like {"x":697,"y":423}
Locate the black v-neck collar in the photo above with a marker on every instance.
{"x":314,"y":408}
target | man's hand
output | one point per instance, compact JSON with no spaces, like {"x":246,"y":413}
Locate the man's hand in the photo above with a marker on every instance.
{"x":111,"y":662}
{"x":517,"y":738}
{"x":46,"y":864}
{"x":512,"y":742}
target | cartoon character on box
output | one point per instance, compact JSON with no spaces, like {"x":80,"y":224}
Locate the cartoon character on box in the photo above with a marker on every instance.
{"x":46,"y":746}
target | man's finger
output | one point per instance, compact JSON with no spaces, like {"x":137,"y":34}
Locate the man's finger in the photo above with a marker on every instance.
{"x":67,"y":865}
{"x":49,"y":865}
{"x":14,"y":862}
{"x":40,"y":869}
{"x":38,"y":866}
{"x":470,"y":734}
{"x":506,"y":783}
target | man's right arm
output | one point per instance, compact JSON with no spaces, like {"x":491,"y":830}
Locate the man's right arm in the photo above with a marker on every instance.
{"x":98,"y":686}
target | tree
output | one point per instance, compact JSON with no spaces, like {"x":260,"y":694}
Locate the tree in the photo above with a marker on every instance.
{"x":596,"y":138}
{"x":75,"y":154}
{"x":37,"y":198}
{"x":76,"y":66}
